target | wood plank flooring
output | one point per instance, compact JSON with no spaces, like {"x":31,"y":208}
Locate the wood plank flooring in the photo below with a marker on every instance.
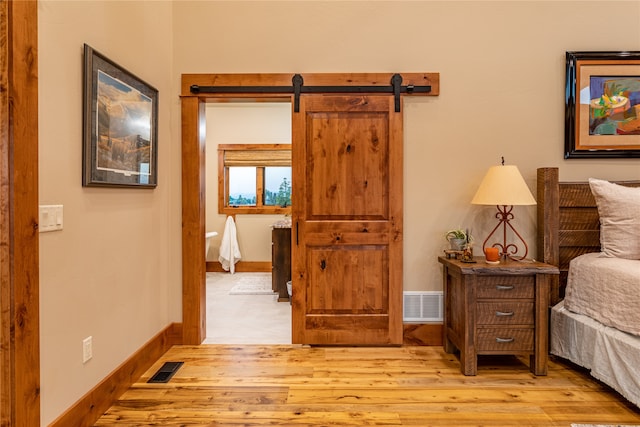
{"x":259,"y":385}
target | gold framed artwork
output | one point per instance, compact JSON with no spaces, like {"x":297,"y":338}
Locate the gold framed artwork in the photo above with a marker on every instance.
{"x":602,"y":105}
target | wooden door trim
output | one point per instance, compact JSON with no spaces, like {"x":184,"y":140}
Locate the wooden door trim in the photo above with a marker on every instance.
{"x":19,"y":265}
{"x":310,"y":79}
{"x":193,"y":158}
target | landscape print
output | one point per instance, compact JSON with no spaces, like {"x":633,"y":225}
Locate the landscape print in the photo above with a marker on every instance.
{"x":614,"y":107}
{"x":124,"y":126}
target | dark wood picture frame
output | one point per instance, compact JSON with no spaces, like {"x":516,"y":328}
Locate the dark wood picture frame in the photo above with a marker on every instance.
{"x":120,"y":121}
{"x":600,"y":126}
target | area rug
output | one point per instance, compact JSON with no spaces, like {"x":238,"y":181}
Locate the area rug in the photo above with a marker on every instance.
{"x":254,"y":284}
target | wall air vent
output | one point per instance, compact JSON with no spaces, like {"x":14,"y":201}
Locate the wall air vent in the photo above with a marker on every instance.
{"x":422,"y":306}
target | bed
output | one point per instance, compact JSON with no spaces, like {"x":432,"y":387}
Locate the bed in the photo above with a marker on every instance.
{"x":595,"y":301}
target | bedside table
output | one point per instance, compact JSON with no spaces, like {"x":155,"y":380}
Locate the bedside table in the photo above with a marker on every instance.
{"x":496,"y":309}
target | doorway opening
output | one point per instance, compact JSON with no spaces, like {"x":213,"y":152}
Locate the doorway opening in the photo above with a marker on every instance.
{"x":197,"y":90}
{"x":246,"y":316}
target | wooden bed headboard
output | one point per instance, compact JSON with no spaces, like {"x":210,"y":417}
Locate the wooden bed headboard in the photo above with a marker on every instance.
{"x":568,"y":224}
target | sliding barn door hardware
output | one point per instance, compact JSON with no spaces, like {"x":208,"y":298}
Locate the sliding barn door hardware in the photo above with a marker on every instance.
{"x":297,"y":88}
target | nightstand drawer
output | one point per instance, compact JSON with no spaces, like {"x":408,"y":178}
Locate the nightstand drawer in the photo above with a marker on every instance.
{"x":505,"y":287}
{"x":504,"y":313}
{"x":497,"y":339}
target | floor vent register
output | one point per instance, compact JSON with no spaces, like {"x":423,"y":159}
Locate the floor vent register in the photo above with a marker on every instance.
{"x":166,"y":371}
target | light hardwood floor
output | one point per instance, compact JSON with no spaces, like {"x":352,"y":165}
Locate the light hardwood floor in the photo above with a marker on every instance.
{"x":259,"y":385}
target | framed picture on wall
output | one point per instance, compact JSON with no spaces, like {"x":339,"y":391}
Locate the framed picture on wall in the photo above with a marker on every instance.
{"x":602,"y":105}
{"x":120,"y":140}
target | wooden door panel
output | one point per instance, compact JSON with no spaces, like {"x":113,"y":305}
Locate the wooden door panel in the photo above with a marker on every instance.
{"x":347,"y":279}
{"x":347,"y":163}
{"x":346,"y":232}
{"x":347,"y":216}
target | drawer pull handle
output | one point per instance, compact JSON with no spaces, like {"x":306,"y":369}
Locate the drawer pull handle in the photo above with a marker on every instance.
{"x":504,"y":287}
{"x":504,"y":313}
{"x":504,"y":340}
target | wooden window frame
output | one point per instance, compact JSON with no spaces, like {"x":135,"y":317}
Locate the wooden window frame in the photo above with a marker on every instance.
{"x":223,"y":181}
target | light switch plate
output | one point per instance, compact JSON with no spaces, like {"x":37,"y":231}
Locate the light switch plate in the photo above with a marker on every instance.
{"x":51,"y":218}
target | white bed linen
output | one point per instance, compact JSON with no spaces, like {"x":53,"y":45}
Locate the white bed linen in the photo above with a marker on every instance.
{"x":605,"y":289}
{"x":611,"y":355}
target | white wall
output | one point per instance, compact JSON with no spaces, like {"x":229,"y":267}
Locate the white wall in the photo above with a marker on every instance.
{"x":113,"y":272}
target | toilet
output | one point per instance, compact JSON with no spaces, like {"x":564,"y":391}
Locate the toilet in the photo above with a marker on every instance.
{"x":207,"y":241}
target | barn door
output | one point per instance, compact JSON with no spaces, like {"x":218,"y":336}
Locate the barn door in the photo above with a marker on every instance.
{"x":347,"y":221}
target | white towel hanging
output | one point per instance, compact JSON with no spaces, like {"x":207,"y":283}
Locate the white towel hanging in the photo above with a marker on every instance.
{"x":229,"y":249}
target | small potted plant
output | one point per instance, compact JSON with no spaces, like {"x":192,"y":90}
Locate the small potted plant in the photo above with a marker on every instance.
{"x":458,"y":238}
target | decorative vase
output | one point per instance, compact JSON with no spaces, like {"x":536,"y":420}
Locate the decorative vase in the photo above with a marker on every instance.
{"x":457,"y":244}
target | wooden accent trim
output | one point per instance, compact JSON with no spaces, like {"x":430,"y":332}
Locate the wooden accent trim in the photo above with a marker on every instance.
{"x":548,"y":224}
{"x":312,"y":79}
{"x":255,"y":154}
{"x":257,"y":210}
{"x":92,"y":405}
{"x":260,"y":187}
{"x":428,"y":334}
{"x":396,"y":215}
{"x":19,"y":264}
{"x":223,"y":183}
{"x":242,"y":267}
{"x":193,"y":221}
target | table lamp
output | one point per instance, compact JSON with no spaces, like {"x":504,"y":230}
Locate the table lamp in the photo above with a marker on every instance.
{"x":504,"y":187}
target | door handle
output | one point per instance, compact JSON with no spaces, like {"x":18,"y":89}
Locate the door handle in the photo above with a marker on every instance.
{"x":323,"y":265}
{"x":504,"y":340}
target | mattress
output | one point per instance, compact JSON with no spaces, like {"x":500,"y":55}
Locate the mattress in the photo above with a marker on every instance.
{"x":611,"y":355}
{"x":605,"y":289}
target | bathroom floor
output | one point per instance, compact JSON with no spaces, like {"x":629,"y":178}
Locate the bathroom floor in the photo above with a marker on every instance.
{"x":244,"y":319}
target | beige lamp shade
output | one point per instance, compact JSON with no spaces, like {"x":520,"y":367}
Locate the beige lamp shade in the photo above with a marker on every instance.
{"x":503,"y":185}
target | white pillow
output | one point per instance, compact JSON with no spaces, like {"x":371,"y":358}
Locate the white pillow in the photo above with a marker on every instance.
{"x":619,"y":210}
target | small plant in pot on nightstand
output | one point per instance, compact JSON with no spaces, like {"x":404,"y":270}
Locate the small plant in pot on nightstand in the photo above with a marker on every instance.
{"x":458,"y":238}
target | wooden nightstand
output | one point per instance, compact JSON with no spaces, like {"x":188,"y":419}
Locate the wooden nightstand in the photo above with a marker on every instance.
{"x":496,"y":309}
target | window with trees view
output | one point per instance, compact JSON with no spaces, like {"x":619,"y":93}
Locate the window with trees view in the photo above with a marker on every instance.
{"x":254,"y":178}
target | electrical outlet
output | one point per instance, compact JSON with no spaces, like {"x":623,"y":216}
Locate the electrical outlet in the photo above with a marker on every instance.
{"x":87,"y":349}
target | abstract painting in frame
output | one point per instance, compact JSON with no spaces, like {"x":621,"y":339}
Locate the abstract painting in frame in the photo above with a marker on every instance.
{"x":120,"y":145}
{"x":602,"y":105}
